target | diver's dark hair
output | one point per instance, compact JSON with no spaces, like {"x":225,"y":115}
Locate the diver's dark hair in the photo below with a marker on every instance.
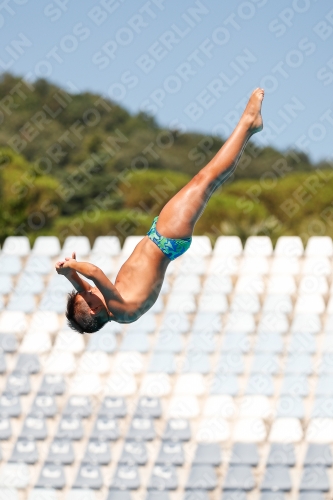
{"x":88,"y":323}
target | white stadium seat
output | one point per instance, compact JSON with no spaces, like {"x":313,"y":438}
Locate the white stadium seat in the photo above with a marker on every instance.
{"x":249,"y":430}
{"x":286,"y":430}
{"x":256,"y":406}
{"x":186,"y":283}
{"x":46,"y":245}
{"x":44,"y":321}
{"x":60,"y":363}
{"x":254,"y":265}
{"x":155,"y":385}
{"x":220,"y":406}
{"x":120,"y":384}
{"x":278,"y":303}
{"x":328,"y":344}
{"x":250,"y":284}
{"x":312,"y":283}
{"x":106,"y":245}
{"x":36,"y":342}
{"x":213,"y":303}
{"x":217,"y":284}
{"x":6,"y":284}
{"x":273,"y":322}
{"x":200,"y":246}
{"x":42,"y":494}
{"x":308,"y":322}
{"x":39,"y":265}
{"x":94,"y":362}
{"x":213,"y":430}
{"x":183,"y":407}
{"x":192,"y":264}
{"x":10,"y":265}
{"x":310,"y":303}
{"x":319,"y":246}
{"x":190,"y":384}
{"x":31,"y":282}
{"x":14,"y":475}
{"x":59,"y":284}
{"x":320,"y":430}
{"x":85,"y":384}
{"x":69,"y":341}
{"x":289,"y":246}
{"x":16,"y":245}
{"x":228,"y":246}
{"x":181,"y":303}
{"x":258,"y":246}
{"x":128,"y":362}
{"x":103,"y":261}
{"x":246,"y":302}
{"x":285,"y":265}
{"x":9,"y":494}
{"x":13,"y":322}
{"x":78,"y":244}
{"x":223,"y":266}
{"x":78,"y":494}
{"x":240,"y":322}
{"x":320,"y":266}
{"x":281,"y":283}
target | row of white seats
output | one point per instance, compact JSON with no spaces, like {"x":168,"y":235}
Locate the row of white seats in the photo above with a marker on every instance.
{"x":18,"y":323}
{"x":225,"y":245}
{"x":248,"y":265}
{"x":185,"y":267}
{"x":277,"y":283}
{"x":256,"y":373}
{"x":208,"y":303}
{"x":248,"y":293}
{"x":278,"y":287}
{"x":306,"y":303}
{"x":243,"y":412}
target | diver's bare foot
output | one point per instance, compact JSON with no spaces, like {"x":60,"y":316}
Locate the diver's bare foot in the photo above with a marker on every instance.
{"x":252,"y":114}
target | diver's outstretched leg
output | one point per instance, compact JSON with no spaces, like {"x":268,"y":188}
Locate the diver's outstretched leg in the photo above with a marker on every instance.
{"x":178,"y":217}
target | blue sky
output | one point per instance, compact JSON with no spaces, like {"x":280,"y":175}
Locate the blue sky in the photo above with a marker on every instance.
{"x":192,"y":64}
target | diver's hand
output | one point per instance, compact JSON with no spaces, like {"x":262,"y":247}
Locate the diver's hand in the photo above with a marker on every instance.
{"x":65,"y":267}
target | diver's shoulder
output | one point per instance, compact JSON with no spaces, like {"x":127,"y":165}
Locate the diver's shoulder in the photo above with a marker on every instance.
{"x":128,"y":314}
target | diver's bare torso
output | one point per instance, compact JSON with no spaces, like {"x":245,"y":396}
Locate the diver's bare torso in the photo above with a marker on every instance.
{"x":139,"y":280}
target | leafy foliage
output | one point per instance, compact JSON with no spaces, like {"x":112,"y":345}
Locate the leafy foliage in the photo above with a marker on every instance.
{"x":81,"y":164}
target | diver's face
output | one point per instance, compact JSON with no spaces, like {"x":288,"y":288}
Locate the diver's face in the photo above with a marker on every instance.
{"x":95,"y":302}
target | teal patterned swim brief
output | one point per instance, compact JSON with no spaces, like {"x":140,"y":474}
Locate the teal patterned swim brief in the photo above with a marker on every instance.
{"x":172,"y":248}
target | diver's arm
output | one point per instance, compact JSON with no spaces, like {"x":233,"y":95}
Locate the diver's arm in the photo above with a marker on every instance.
{"x":78,"y":283}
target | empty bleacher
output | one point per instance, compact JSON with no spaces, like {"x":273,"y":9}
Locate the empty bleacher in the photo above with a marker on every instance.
{"x":222,"y":391}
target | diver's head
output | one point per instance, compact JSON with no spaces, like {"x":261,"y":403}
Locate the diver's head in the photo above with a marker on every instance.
{"x":87,"y":311}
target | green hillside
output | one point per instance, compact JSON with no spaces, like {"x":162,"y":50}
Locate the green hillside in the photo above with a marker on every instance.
{"x":80,"y":164}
